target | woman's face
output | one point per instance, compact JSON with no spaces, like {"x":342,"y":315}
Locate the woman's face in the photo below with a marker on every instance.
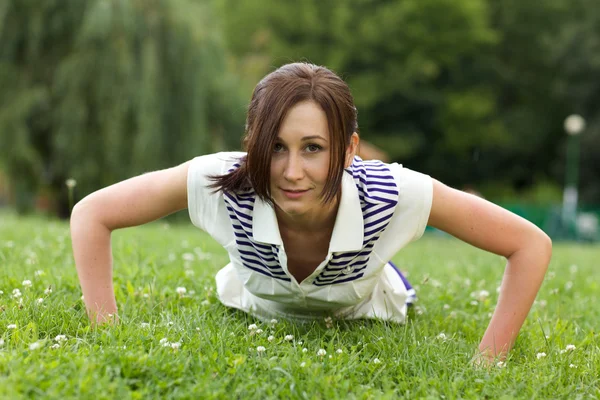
{"x":300,"y":161}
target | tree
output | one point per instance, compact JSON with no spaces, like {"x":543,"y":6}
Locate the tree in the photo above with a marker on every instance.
{"x":479,"y":85}
{"x":102,"y":90}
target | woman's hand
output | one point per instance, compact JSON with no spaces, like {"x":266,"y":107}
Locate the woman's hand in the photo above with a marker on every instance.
{"x":527,"y":249}
{"x":132,"y":202}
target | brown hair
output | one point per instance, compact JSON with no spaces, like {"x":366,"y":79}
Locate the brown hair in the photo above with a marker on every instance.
{"x":271,"y":100}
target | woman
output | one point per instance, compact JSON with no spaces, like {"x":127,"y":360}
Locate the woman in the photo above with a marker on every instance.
{"x":309,"y":227}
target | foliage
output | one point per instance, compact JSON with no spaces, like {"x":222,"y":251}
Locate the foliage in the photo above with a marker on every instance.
{"x":218,"y":357}
{"x":482,"y":86}
{"x":472,"y":92}
{"x":102,"y":90}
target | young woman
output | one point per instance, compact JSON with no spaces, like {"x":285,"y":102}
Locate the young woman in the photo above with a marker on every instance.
{"x":309,"y":226}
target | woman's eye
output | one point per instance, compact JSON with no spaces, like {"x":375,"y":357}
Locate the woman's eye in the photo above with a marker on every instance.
{"x":313,"y":148}
{"x":278,"y":147}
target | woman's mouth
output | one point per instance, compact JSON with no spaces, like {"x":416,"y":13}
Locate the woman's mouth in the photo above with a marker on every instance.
{"x":294,"y":193}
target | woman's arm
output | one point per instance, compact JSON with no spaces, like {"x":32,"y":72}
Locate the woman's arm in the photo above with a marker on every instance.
{"x":489,"y":227}
{"x":132,"y":202}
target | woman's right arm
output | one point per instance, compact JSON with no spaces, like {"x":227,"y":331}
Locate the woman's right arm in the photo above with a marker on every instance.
{"x":132,"y":202}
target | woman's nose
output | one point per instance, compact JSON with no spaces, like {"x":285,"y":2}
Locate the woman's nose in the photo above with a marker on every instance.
{"x":293,"y":168}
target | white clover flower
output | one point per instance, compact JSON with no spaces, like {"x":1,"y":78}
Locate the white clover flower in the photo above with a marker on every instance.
{"x":442,"y":336}
{"x":446,"y":306}
{"x":11,"y":326}
{"x":55,"y":346}
{"x":572,"y":366}
{"x":304,"y":350}
{"x":175,"y":345}
{"x":60,"y":338}
{"x":252,"y":327}
{"x":164,"y":342}
{"x":35,"y":345}
{"x":568,"y":285}
{"x":188,"y":257}
{"x":16,"y":293}
{"x":271,"y":338}
{"x":39,"y":272}
{"x":573,"y":269}
{"x":49,"y":290}
{"x":570,"y":347}
{"x":543,"y":303}
{"x":474,"y":303}
{"x":540,"y":355}
{"x":205,"y":302}
{"x":145,"y":325}
{"x":40,"y":300}
{"x":376,"y":361}
{"x":1,"y":342}
{"x":1,"y":292}
{"x":289,"y":338}
{"x":321,"y":352}
{"x":170,"y":323}
{"x":273,"y":321}
{"x":259,"y":331}
{"x":181,"y":291}
{"x":302,"y":364}
{"x":501,"y":364}
{"x":71,"y":183}
{"x":339,"y":351}
{"x":260,"y":349}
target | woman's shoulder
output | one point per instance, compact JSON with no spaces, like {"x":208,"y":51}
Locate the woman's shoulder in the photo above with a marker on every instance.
{"x":389,"y":182}
{"x":216,"y":163}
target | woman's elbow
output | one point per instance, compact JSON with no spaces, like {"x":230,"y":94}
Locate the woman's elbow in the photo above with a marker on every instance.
{"x":84,"y":214}
{"x":544,"y":243}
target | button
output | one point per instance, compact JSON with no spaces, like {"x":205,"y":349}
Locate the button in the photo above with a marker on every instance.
{"x":347,"y":270}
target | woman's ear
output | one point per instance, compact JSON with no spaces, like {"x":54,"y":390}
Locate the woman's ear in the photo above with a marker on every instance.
{"x":352,"y":149}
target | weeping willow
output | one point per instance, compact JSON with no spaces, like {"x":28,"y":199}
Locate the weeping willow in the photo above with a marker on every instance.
{"x":101,"y":90}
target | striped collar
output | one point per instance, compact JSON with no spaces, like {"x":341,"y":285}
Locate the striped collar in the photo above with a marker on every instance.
{"x":347,"y":232}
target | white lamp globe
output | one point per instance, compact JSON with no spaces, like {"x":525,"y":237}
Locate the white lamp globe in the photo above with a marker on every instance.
{"x":574,"y":124}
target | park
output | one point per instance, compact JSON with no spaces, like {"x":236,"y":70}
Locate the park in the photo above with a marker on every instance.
{"x":498,"y":100}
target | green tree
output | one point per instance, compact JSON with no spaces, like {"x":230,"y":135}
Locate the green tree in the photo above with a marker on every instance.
{"x":102,"y":90}
{"x":469,"y":91}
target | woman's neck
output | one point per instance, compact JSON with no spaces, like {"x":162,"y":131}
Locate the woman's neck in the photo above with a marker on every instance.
{"x":322,"y":221}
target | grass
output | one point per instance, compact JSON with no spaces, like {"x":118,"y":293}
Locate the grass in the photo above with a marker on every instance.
{"x":218,"y":356}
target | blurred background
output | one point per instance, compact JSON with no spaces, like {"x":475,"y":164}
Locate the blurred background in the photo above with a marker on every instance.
{"x":497,"y":97}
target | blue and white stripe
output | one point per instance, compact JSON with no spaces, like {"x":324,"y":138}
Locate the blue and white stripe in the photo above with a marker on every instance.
{"x":378,"y":194}
{"x":259,"y":257}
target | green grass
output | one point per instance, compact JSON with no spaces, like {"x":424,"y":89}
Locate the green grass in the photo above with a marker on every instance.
{"x":218,"y":356}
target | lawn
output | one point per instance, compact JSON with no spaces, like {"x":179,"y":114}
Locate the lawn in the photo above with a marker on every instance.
{"x":172,"y":344}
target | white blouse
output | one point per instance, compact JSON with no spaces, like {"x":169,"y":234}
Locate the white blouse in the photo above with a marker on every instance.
{"x":383,"y":208}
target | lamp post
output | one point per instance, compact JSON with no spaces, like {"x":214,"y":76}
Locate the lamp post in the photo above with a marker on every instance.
{"x":574,"y":125}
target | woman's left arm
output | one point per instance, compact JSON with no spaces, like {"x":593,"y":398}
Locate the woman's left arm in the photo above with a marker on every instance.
{"x":490,"y":227}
